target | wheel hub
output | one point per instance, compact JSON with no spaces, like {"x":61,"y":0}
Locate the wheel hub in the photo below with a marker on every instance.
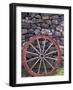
{"x":41,"y":56}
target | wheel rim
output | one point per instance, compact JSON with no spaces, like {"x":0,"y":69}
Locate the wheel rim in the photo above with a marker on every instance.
{"x":37,"y":55}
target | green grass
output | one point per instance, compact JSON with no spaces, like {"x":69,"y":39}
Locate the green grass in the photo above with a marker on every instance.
{"x":60,"y":71}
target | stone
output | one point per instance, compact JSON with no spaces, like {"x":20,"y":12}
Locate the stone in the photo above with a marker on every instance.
{"x":27,"y":21}
{"x":48,"y":22}
{"x":27,"y":18}
{"x":38,"y":24}
{"x":34,"y":20}
{"x":26,"y":26}
{"x":38,"y":16}
{"x":54,"y":22}
{"x":43,"y":25}
{"x":62,"y":23}
{"x":24,"y":31}
{"x":63,"y":33}
{"x":33,"y":26}
{"x":43,"y":31}
{"x":55,"y":17}
{"x":57,"y":33}
{"x":39,"y":28}
{"x":50,"y":18}
{"x":50,"y":33}
{"x":30,"y":34}
{"x":37,"y":31}
{"x":24,"y":15}
{"x":59,"y":28}
{"x":23,"y":21}
{"x":31,"y":30}
{"x":62,"y":17}
{"x":53,"y":30}
{"x":46,"y":31}
{"x":45,"y":17}
{"x":39,"y":20}
{"x":62,"y":39}
{"x":26,"y":37}
{"x":52,"y":26}
{"x":23,"y":37}
{"x":32,"y":15}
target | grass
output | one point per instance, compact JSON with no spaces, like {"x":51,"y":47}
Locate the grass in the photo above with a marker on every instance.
{"x":60,"y":71}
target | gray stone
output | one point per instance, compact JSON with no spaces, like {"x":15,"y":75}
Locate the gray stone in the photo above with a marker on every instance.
{"x":57,"y":33}
{"x":55,"y":17}
{"x":27,"y":37}
{"x":46,"y":31}
{"x":24,"y":31}
{"x":43,"y":25}
{"x":23,"y":37}
{"x":27,"y":18}
{"x":26,"y":25}
{"x":38,"y":24}
{"x":31,"y":30}
{"x":59,"y":28}
{"x":48,"y":22}
{"x":37,"y":31}
{"x":54,"y":22}
{"x":31,"y":34}
{"x":63,"y":33}
{"x":34,"y":20}
{"x":50,"y":33}
{"x":23,"y":21}
{"x":38,"y":16}
{"x":50,"y":18}
{"x":45,"y":17}
{"x":29,"y":21}
{"x":62,"y":39}
{"x":43,"y":32}
{"x":62,"y":17}
{"x":39,"y":28}
{"x":62,"y":23}
{"x":53,"y":30}
{"x":33,"y":26}
{"x":32,"y":15}
{"x":24,"y":15}
{"x":39,"y":20}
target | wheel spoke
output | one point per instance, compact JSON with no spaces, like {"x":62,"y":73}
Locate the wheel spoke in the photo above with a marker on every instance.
{"x":39,"y":67}
{"x":35,"y":63}
{"x":31,"y":53}
{"x":51,"y":58}
{"x":32,"y":59}
{"x":50,"y":52}
{"x":49,"y":63}
{"x":44,"y":66}
{"x":39,"y":45}
{"x":48,"y":47}
{"x":35,"y":49}
{"x":44,"y":45}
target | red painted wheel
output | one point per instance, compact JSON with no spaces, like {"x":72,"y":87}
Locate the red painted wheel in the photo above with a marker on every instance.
{"x":41,"y":55}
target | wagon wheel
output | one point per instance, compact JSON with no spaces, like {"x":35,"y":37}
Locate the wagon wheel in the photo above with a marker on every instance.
{"x":41,"y":56}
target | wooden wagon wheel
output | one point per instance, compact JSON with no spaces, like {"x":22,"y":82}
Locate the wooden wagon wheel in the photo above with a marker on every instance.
{"x":41,"y":55}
